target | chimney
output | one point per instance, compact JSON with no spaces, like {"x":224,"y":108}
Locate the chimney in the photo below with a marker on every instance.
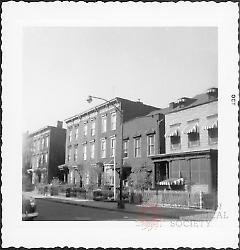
{"x":212,"y":93}
{"x":172,"y":105}
{"x":59,"y":124}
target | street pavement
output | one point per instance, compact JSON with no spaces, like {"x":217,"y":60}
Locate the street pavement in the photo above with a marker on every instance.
{"x":99,"y":210}
{"x":52,"y":211}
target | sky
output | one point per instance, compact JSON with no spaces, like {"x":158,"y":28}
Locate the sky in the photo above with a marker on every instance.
{"x":158,"y":65}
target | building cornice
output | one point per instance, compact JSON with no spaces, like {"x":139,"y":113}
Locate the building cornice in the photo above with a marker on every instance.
{"x":92,"y":110}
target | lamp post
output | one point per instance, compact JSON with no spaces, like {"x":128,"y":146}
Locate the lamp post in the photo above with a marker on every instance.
{"x":89,"y":100}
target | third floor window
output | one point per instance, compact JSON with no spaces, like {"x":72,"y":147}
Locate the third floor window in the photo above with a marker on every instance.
{"x":93,"y":125}
{"x":85,"y":129}
{"x":76,"y":133}
{"x":104,"y":124}
{"x":113,"y":121}
{"x":70,"y":136}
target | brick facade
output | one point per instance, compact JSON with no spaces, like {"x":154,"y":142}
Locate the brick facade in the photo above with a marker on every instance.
{"x":48,"y":150}
{"x":90,"y":167}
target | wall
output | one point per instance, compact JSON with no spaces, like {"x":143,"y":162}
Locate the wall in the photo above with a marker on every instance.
{"x":56,"y":151}
{"x":199,"y":112}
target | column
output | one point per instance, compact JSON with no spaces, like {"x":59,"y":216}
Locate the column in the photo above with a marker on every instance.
{"x":154,"y":176}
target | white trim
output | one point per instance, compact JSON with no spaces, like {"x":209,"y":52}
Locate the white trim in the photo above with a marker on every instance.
{"x":153,"y":144}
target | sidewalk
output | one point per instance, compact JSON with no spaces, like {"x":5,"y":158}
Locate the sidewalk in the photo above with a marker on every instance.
{"x":142,"y":210}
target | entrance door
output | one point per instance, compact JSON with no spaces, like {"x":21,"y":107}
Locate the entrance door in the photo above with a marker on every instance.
{"x":162,"y":171}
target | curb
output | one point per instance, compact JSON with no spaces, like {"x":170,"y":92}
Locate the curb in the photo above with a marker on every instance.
{"x":106,"y":208}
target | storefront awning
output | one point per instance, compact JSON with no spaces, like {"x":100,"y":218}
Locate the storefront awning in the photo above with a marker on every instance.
{"x":173,"y":132}
{"x":192,"y":128}
{"x":172,"y":181}
{"x":211,"y":124}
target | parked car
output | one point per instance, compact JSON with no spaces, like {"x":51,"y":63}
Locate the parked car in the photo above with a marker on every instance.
{"x":29,"y":208}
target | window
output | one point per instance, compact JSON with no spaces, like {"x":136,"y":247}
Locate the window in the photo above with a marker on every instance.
{"x":112,"y":146}
{"x":193,"y":139}
{"x":46,"y":158}
{"x":85,"y":129}
{"x":125,"y":148}
{"x":151,"y":144}
{"x":104,"y":124}
{"x":70,"y":136}
{"x":103,"y":148}
{"x":85,"y":152}
{"x":137,"y":147}
{"x":92,"y":149}
{"x":41,"y":159}
{"x":193,"y":134}
{"x":75,"y":154}
{"x":68,"y":154}
{"x":113,"y":121}
{"x":212,"y":136}
{"x":76,"y":133}
{"x":175,"y":141}
{"x":47,"y":141}
{"x":93,"y":128}
{"x":42,"y":141}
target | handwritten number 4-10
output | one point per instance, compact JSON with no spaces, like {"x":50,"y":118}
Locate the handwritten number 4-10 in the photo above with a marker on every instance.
{"x":233,"y":99}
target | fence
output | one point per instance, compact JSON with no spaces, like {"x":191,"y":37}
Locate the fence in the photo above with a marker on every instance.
{"x":171,"y":198}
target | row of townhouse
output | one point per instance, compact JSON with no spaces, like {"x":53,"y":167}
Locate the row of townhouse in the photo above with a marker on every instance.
{"x":175,"y":143}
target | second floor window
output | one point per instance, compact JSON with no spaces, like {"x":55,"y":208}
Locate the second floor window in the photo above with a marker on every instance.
{"x":113,"y":121}
{"x":93,"y":128}
{"x":192,"y":132}
{"x":151,"y":144}
{"x":137,"y":147}
{"x":103,"y":148}
{"x":175,"y":141}
{"x":112,"y":146}
{"x":85,"y":152}
{"x":104,"y":124}
{"x":75,"y":154}
{"x":193,"y":139}
{"x":125,"y":148}
{"x":92,"y":149}
{"x":212,"y":136}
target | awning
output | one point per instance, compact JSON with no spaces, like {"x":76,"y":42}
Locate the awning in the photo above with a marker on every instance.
{"x":211,"y":124}
{"x":173,"y":132}
{"x":172,"y":181}
{"x":192,"y":128}
{"x":62,"y":167}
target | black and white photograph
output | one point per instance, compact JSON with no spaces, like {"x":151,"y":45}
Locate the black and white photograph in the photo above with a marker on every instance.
{"x":126,"y":126}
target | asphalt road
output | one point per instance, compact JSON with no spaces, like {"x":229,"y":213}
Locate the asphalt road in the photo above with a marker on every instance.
{"x":54,"y":211}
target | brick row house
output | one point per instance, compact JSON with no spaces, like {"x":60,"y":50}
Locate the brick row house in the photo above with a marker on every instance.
{"x":191,"y":143}
{"x":47,"y":153}
{"x":94,"y":142}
